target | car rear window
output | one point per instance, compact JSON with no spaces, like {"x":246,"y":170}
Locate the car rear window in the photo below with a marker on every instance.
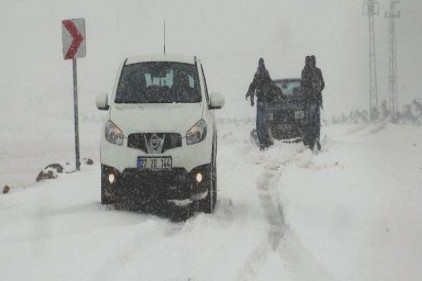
{"x":158,"y":82}
{"x":289,"y":86}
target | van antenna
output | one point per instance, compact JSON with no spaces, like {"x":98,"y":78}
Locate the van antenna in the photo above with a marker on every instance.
{"x":164,"y":37}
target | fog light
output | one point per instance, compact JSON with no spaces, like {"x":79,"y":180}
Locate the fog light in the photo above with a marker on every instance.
{"x":111,"y":178}
{"x":199,"y":177}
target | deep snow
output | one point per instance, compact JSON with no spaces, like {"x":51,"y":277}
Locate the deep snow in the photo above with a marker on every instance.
{"x":352,"y":212}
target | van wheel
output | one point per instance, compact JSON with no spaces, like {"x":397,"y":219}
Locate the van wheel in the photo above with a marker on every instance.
{"x":105,"y":198}
{"x":207,"y":205}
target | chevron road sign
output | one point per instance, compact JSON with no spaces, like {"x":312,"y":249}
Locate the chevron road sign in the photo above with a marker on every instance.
{"x":73,"y":37}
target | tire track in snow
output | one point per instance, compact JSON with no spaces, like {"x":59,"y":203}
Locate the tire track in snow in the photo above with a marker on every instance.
{"x":267,"y":191}
{"x":299,"y":262}
{"x":267,"y":188}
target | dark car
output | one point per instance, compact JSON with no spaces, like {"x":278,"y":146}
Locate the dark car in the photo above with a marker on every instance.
{"x":286,"y":113}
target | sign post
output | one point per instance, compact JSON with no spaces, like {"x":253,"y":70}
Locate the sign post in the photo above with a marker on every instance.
{"x":74,"y":46}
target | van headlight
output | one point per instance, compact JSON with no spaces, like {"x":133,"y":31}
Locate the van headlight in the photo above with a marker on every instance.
{"x":113,"y":134}
{"x":197,"y":133}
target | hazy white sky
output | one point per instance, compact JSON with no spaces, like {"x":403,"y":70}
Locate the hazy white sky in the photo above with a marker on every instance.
{"x":230,"y":36}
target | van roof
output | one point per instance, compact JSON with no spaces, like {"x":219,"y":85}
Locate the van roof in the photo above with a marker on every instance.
{"x":171,"y":58}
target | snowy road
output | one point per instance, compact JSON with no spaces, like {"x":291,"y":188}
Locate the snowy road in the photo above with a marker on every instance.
{"x":352,"y":212}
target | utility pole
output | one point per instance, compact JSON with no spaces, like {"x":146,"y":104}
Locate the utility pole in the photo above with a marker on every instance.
{"x":392,"y":15}
{"x":371,"y":8}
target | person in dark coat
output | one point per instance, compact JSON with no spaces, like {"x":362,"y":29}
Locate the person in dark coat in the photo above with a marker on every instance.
{"x":306,"y":75}
{"x":312,"y":85}
{"x":317,"y":80}
{"x":261,"y":88}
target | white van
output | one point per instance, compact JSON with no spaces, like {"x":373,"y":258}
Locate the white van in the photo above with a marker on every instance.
{"x":160,"y":138}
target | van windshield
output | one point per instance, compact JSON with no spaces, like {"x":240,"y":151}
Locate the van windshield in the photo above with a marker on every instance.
{"x":158,"y":82}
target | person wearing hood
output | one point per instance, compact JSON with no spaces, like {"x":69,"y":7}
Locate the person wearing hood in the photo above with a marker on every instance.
{"x":312,"y":86}
{"x":261,"y":88}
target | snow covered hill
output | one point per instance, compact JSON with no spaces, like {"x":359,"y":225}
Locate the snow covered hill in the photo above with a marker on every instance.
{"x":352,"y":212}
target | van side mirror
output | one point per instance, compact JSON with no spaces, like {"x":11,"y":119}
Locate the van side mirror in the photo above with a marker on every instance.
{"x":102,"y":102}
{"x":216,"y":101}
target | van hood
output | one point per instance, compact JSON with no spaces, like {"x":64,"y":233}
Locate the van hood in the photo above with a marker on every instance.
{"x":156,"y":118}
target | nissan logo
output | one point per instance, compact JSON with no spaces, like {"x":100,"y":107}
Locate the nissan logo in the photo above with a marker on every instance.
{"x":154,"y":141}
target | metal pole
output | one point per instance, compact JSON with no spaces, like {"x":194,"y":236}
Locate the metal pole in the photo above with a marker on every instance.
{"x":392,"y":15}
{"x":371,"y":8}
{"x":75,"y":107}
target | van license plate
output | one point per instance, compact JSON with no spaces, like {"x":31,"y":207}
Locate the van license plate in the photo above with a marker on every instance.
{"x":154,"y":163}
{"x":299,"y":114}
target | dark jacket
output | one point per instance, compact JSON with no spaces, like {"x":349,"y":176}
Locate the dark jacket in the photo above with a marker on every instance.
{"x":312,"y":83}
{"x":261,"y":85}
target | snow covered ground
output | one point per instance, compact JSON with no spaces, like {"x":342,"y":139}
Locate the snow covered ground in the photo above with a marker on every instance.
{"x":352,"y":212}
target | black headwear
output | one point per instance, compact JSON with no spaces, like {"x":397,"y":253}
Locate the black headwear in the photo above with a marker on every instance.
{"x":307,"y":61}
{"x":313,"y":60}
